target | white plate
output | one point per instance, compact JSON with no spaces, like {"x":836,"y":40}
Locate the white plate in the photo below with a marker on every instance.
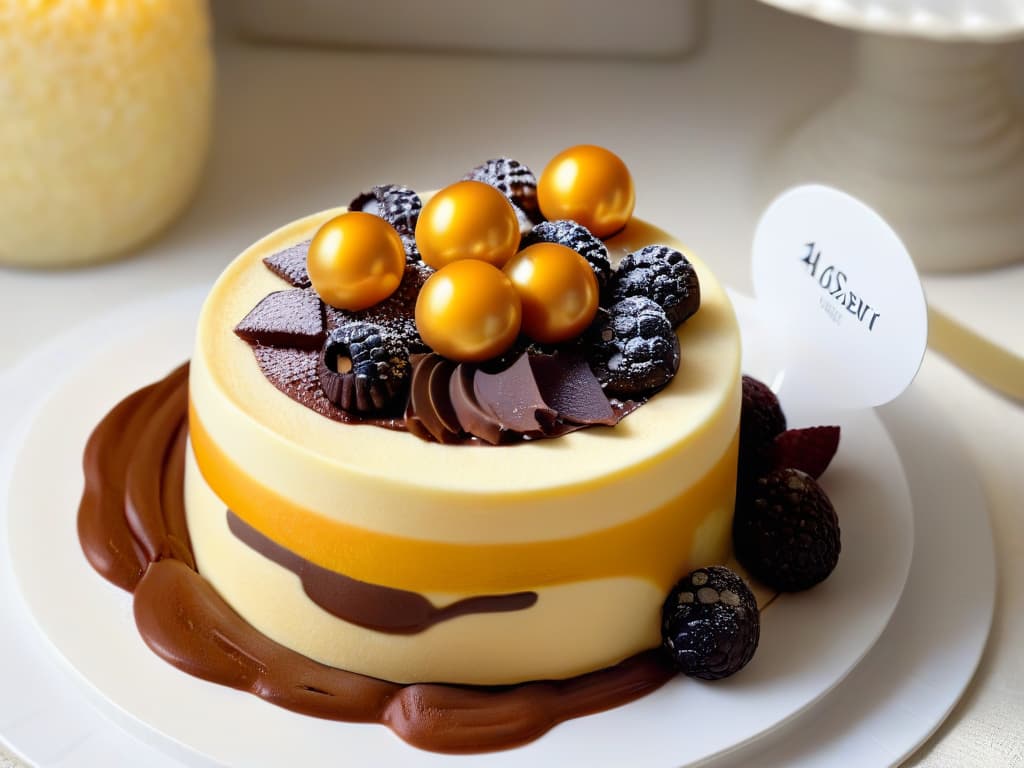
{"x":809,"y":641}
{"x":981,"y":20}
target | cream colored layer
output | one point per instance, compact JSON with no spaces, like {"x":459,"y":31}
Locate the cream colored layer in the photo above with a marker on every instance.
{"x":573,"y":628}
{"x":393,"y":483}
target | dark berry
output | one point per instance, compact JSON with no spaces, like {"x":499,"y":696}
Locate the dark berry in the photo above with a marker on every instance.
{"x":710,"y":625}
{"x":761,"y":419}
{"x":396,"y":314}
{"x":633,"y":350}
{"x":398,"y":205}
{"x":785,"y":531}
{"x":809,"y":449}
{"x":513,"y":179}
{"x":663,"y":275}
{"x":363,"y":370}
{"x":412,"y":251}
{"x":577,"y":237}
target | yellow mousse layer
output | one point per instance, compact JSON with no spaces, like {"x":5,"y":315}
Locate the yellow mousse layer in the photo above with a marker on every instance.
{"x":598,"y":523}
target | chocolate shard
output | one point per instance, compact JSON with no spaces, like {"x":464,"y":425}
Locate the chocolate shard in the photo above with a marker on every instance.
{"x":472,"y":418}
{"x":512,"y":397}
{"x":423,"y":409}
{"x":440,"y":399}
{"x":289,"y":318}
{"x":290,"y":264}
{"x":567,"y":384}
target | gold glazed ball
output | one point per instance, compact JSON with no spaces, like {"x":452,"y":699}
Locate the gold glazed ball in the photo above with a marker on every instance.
{"x":355,"y":261}
{"x":590,"y":185}
{"x":558,"y":289}
{"x":467,"y":220}
{"x":468,"y":311}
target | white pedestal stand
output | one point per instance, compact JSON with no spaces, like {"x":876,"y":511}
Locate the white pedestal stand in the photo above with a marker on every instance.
{"x":929,"y":134}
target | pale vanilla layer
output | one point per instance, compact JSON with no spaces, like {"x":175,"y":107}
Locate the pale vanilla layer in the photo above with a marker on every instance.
{"x":572,"y":629}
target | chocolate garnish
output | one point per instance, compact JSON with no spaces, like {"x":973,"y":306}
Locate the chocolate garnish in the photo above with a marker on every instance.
{"x":290,"y":264}
{"x":473,"y":418}
{"x":440,"y":399}
{"x":384,"y":609}
{"x":285,"y":319}
{"x":295,"y":372}
{"x":397,"y":204}
{"x":567,"y":384}
{"x":512,"y":397}
{"x":396,"y":314}
{"x":421,"y":404}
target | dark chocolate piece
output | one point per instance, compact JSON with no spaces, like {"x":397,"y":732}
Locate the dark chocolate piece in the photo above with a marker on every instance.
{"x":473,"y":418}
{"x":384,"y":609}
{"x":512,"y":397}
{"x":440,"y":399}
{"x":290,"y":264}
{"x":289,"y":318}
{"x":567,"y":384}
{"x":421,"y":402}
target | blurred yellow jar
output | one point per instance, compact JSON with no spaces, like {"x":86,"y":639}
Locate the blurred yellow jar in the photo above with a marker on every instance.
{"x":104,"y":123}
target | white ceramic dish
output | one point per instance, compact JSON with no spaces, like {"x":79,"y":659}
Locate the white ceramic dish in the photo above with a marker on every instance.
{"x":981,"y":20}
{"x":809,"y":642}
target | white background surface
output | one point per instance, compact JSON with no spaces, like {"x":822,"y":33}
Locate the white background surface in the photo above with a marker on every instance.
{"x":301,"y":130}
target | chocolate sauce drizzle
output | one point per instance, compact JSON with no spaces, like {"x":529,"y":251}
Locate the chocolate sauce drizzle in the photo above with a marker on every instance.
{"x":385,"y":609}
{"x":131,"y":524}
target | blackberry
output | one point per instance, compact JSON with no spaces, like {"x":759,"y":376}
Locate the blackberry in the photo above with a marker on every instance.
{"x":513,"y":179}
{"x":786,"y":532}
{"x":412,"y":251}
{"x":710,"y":625}
{"x":577,"y":237}
{"x":761,"y":419}
{"x":663,"y":275}
{"x":395,"y":315}
{"x":398,"y":205}
{"x":633,"y":350}
{"x":363,"y":370}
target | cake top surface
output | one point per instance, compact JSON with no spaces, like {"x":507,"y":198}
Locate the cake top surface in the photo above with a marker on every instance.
{"x":678,"y":419}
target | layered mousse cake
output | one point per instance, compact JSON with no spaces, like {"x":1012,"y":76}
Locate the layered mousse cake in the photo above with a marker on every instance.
{"x":423,"y":561}
{"x":440,"y":443}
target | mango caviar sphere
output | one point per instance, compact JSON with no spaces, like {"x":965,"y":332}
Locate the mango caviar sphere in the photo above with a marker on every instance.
{"x":469,"y":311}
{"x":590,"y":185}
{"x":558,"y":289}
{"x":467,"y":220}
{"x":355,"y":260}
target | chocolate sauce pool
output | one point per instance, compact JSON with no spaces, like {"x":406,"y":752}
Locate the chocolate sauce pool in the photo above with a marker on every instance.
{"x":131,"y":524}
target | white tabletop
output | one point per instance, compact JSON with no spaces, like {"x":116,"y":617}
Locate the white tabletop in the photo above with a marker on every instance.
{"x":301,"y":130}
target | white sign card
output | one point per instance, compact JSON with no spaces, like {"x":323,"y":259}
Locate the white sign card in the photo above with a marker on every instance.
{"x":835,"y":283}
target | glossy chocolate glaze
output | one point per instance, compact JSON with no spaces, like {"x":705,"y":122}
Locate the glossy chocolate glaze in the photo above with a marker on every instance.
{"x":131,"y":525}
{"x":395,"y":611}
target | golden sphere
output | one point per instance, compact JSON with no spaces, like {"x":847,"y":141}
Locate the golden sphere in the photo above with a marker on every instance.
{"x":590,"y":185}
{"x":355,"y":261}
{"x":558,"y":289}
{"x":468,"y":311}
{"x":467,"y":220}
